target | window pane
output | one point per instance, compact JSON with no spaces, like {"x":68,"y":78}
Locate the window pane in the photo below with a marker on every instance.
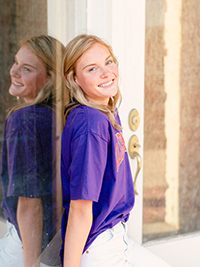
{"x":172,"y":119}
{"x":21,"y":20}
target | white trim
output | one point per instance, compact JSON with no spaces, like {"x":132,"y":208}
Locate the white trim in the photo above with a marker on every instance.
{"x":172,"y":65}
{"x":178,"y":251}
{"x":57,"y":19}
{"x":99,"y":18}
{"x":65,"y":19}
{"x":128,"y":41}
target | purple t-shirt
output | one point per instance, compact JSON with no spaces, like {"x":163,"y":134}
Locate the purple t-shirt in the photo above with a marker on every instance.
{"x":95,"y":166}
{"x":28,"y":164}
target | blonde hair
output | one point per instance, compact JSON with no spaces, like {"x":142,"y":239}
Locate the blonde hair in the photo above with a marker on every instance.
{"x":73,"y":51}
{"x":50,"y":51}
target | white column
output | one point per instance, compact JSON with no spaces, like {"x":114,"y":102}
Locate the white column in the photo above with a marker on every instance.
{"x":66,"y":19}
{"x":172,"y":63}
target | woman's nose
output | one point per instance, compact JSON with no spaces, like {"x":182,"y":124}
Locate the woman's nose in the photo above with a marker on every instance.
{"x":105,"y":72}
{"x":14,"y":71}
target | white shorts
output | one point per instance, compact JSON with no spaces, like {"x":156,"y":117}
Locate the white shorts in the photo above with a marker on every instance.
{"x":12,"y":253}
{"x":113,"y":248}
{"x":11,"y":249}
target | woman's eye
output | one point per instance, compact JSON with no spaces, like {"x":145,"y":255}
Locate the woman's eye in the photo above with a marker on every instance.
{"x":26,"y":69}
{"x":92,"y":69}
{"x":109,"y":62}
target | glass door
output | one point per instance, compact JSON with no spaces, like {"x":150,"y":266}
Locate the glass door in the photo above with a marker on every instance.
{"x":19,"y":19}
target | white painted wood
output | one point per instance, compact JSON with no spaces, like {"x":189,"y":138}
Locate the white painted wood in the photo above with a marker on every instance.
{"x":128,"y":41}
{"x":99,"y":18}
{"x":57,"y":20}
{"x":181,"y":251}
{"x":66,"y":18}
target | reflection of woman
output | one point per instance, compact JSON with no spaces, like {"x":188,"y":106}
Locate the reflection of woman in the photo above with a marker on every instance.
{"x":28,"y":154}
{"x":97,"y":185}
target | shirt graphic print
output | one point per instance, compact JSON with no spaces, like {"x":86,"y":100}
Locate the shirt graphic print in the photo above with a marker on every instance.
{"x":120,"y":149}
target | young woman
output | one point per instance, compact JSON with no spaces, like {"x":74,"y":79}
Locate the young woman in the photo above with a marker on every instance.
{"x":98,"y":191}
{"x":29,"y":152}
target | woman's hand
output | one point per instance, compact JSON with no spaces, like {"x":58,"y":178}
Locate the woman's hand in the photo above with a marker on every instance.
{"x":78,"y":228}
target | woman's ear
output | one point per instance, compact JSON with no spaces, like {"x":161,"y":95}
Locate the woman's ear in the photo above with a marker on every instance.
{"x":75,"y":79}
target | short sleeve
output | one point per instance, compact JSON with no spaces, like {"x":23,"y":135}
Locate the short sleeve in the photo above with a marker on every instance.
{"x":88,"y":163}
{"x":29,"y":169}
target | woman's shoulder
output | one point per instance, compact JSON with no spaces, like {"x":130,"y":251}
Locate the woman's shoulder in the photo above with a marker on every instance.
{"x":84,"y":119}
{"x":32,"y":116}
{"x":30,"y":112}
{"x":91,"y":116}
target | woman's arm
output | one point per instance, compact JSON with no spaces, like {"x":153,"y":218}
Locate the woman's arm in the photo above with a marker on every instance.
{"x":78,"y":228}
{"x":30,"y":221}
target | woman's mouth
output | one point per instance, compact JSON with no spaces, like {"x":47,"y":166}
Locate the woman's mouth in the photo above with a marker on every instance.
{"x":107,"y":83}
{"x":17,"y":83}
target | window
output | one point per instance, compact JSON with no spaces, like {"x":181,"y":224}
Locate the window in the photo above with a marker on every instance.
{"x":172,"y":132}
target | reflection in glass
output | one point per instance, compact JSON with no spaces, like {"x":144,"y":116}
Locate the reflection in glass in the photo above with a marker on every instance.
{"x":31,"y":141}
{"x":172,"y":129}
{"x":29,"y":150}
{"x":19,"y":19}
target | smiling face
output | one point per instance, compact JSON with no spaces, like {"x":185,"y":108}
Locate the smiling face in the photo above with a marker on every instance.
{"x":28,"y":75}
{"x":97,"y":74}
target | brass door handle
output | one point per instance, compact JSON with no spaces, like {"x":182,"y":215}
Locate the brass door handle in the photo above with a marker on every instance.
{"x":133,"y":148}
{"x":139,"y":165}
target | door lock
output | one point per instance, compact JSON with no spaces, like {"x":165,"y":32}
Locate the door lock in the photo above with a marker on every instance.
{"x":134,"y":119}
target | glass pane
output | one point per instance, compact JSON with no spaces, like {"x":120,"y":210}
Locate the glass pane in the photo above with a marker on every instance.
{"x":21,"y":20}
{"x":172,"y":119}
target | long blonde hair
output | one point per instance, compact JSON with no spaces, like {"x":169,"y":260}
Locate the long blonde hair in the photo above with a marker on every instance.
{"x":73,"y":51}
{"x":50,"y":51}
